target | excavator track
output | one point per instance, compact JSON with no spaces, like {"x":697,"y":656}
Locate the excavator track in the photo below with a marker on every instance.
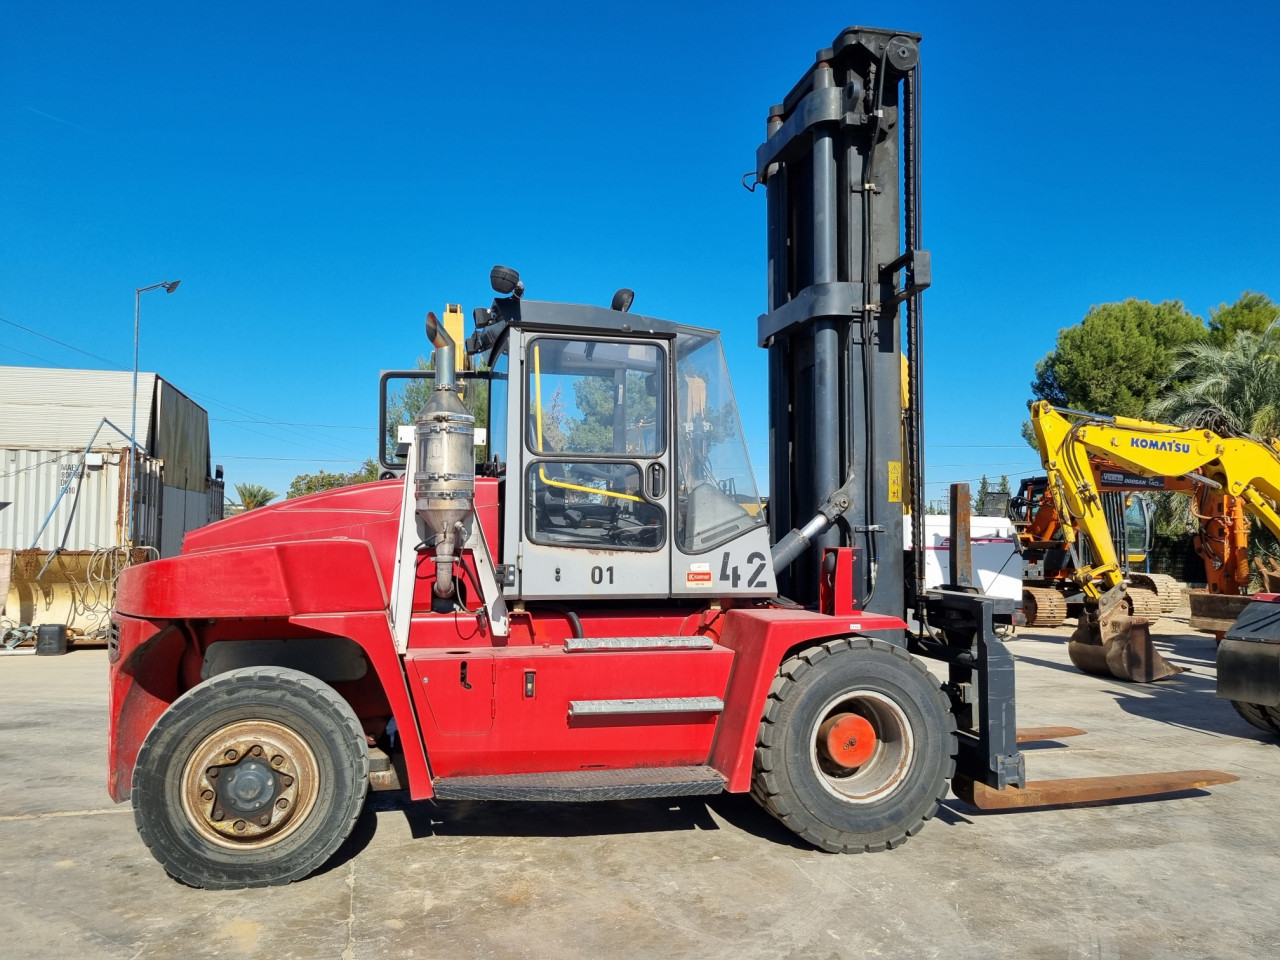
{"x":1143,"y":603}
{"x":1162,"y":585}
{"x":1043,"y":607}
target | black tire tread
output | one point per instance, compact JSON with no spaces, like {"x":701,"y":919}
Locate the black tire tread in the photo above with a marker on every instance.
{"x":1263,"y":717}
{"x":765,"y":786}
{"x":311,"y":689}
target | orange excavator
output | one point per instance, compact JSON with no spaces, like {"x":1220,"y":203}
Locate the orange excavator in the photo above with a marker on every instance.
{"x":1048,"y":567}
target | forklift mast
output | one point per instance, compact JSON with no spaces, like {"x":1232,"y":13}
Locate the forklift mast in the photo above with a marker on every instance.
{"x":841,"y":171}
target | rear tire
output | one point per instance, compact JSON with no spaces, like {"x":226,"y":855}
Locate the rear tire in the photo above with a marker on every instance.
{"x":1262,"y":717}
{"x":889,"y":796}
{"x":296,"y":755}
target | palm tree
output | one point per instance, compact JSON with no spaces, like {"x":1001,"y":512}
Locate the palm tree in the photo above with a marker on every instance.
{"x":253,"y":495}
{"x":1232,"y":389}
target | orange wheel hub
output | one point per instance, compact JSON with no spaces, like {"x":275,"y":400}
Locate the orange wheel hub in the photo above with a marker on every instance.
{"x":847,"y":739}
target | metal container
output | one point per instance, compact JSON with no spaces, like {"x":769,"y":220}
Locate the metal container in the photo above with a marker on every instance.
{"x":89,"y":515}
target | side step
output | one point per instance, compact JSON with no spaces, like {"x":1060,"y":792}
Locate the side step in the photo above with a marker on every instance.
{"x":1082,"y":790}
{"x":576,"y":785}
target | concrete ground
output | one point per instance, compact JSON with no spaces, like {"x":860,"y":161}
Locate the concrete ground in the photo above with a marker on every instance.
{"x":1189,"y":877}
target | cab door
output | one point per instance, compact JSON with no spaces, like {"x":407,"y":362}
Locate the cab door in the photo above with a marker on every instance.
{"x":595,"y":467}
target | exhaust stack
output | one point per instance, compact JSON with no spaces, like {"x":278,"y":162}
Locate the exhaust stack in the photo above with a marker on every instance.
{"x":445,"y":478}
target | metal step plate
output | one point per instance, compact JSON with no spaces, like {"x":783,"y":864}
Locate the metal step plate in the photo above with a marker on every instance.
{"x":585,"y":785}
{"x":587,"y":644}
{"x":606,"y":708}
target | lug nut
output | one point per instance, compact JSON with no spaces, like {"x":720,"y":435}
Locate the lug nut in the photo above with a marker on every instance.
{"x":282,"y":803}
{"x":240,"y":826}
{"x":207,"y":795}
{"x":256,"y":751}
{"x":231,"y":754}
{"x":287,"y":781}
{"x":277,"y":760}
{"x":212,"y":773}
{"x":265,"y":821}
{"x":219,"y":813}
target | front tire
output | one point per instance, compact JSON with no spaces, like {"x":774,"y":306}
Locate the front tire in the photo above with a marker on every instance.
{"x":1263,"y":717}
{"x":856,"y":746}
{"x":251,"y":779}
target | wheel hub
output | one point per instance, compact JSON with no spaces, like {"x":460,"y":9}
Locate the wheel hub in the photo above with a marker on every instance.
{"x":847,"y":739}
{"x":247,"y":787}
{"x":249,"y":784}
{"x":863,"y":746}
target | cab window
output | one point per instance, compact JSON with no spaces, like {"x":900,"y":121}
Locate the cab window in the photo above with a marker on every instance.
{"x":596,"y":397}
{"x":596,"y":425}
{"x":716,"y":497}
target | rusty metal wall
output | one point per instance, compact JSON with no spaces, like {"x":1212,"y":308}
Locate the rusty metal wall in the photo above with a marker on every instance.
{"x":91,"y":514}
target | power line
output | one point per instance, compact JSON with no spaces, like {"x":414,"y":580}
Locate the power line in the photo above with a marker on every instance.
{"x":327,"y":426}
{"x":295,"y":459}
{"x":45,"y":336}
{"x":258,"y":418}
{"x":34,"y":356}
{"x":295,"y":441}
{"x":935,"y":483}
{"x":1007,"y":463}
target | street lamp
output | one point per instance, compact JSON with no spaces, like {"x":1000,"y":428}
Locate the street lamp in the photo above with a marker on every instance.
{"x":169,"y":286}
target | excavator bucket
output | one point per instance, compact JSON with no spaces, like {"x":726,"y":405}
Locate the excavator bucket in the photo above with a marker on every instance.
{"x":1114,"y":644}
{"x":1270,"y":574}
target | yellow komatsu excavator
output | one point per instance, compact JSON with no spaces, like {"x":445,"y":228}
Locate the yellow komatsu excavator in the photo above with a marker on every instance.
{"x":1236,"y":473}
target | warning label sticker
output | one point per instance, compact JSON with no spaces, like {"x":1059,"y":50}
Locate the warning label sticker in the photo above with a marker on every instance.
{"x":699,"y":575}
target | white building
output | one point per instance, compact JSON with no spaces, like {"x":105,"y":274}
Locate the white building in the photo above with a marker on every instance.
{"x":64,"y":485}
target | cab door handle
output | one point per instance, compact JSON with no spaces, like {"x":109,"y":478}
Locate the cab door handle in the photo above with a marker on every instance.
{"x":657,"y":481}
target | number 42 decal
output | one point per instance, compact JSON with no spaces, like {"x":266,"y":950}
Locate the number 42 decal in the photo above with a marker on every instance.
{"x":734,"y":576}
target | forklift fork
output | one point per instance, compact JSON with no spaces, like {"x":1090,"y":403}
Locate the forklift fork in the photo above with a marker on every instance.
{"x":990,"y":769}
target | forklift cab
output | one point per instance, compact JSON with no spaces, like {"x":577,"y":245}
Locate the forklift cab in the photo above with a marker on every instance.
{"x":626,"y":468}
{"x":619,"y":450}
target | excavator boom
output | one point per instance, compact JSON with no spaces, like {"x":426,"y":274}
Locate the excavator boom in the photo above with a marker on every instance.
{"x":1229,"y":473}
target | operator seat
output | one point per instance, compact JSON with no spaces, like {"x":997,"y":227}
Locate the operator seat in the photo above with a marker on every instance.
{"x":550,"y":510}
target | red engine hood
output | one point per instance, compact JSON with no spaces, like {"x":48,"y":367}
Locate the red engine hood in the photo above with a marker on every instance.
{"x":345,"y":512}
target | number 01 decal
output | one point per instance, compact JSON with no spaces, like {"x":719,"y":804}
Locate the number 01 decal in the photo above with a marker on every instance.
{"x":733,"y":576}
{"x":598,"y":575}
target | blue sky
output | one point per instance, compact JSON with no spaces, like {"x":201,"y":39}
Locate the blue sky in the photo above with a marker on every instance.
{"x":320,"y":175}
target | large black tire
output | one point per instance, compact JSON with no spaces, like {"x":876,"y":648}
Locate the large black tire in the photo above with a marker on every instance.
{"x":299,"y":755}
{"x":879,"y":804}
{"x":1262,"y":717}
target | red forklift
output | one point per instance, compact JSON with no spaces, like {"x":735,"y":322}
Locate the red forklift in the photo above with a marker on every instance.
{"x":596,"y":607}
